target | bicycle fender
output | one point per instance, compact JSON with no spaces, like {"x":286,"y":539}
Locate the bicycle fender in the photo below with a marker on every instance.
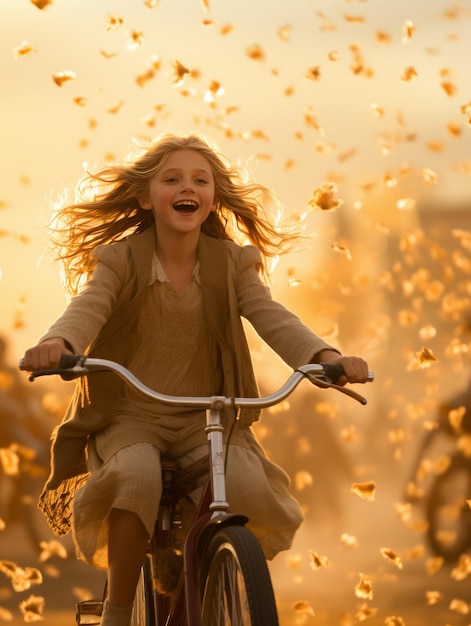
{"x":199,"y":536}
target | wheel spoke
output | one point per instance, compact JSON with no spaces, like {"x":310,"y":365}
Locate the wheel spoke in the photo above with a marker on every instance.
{"x":233,"y":568}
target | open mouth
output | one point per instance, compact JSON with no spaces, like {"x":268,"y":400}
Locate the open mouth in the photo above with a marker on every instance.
{"x":185,"y":206}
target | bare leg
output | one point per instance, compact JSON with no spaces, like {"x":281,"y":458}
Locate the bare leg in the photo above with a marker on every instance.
{"x":128,"y":542}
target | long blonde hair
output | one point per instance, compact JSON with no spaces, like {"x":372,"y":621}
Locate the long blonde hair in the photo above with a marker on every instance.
{"x":106,"y":207}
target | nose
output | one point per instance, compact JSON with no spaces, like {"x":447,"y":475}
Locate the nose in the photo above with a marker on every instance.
{"x":188,"y":186}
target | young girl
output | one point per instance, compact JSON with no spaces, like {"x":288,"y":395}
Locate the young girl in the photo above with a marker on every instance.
{"x":166,"y":288}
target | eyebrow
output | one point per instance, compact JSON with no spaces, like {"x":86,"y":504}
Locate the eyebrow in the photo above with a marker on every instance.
{"x":194,"y":171}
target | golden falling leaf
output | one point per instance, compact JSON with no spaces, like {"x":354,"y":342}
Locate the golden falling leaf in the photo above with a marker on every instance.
{"x":284,"y":32}
{"x":108,"y":55}
{"x":364,"y":612}
{"x":302,"y":480}
{"x":213,"y":91}
{"x":313,"y":73}
{"x":50,"y":549}
{"x":294,"y":560}
{"x":455,"y":417}
{"x":364,"y":588}
{"x":52,"y":571}
{"x":334,"y":55}
{"x":408,"y":30}
{"x":289,"y":164}
{"x":464,"y":445}
{"x":325,"y":197}
{"x":114,"y":22}
{"x":60,"y":78}
{"x":366,"y":491}
{"x":354,"y":19}
{"x":463,"y":568}
{"x":459,"y":606}
{"x":426,"y":357}
{"x":418,"y":551}
{"x":21,"y":578}
{"x":150,"y":72}
{"x":430,"y":177}
{"x":414,"y":492}
{"x":303,"y":607}
{"x":433,"y":597}
{"x":389,"y":180}
{"x":80,"y":101}
{"x":427,"y":332}
{"x":41,"y":4}
{"x":342,"y":248}
{"x":9,"y":461}
{"x":255,"y":52}
{"x":5,"y":615}
{"x":136,"y":40}
{"x":226,"y":29}
{"x":33,"y":609}
{"x":179,"y":72}
{"x":392,"y":556}
{"x":316,"y":561}
{"x":23,"y":49}
{"x":409,"y":73}
{"x":115,"y":108}
{"x":434,"y":564}
{"x":396,"y":435}
{"x":449,"y":88}
{"x":349,"y":434}
{"x":394,"y":620}
{"x":349,"y":540}
{"x":453,"y":129}
{"x":82,"y":593}
{"x":382,"y":37}
{"x":376,"y":109}
{"x":406,"y":204}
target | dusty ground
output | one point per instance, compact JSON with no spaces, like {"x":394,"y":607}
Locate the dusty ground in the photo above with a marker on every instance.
{"x":328,"y":593}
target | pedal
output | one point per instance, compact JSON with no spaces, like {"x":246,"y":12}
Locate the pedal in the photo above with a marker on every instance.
{"x":89,"y":612}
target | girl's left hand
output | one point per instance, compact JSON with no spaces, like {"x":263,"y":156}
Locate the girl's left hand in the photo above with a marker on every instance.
{"x":355,"y":368}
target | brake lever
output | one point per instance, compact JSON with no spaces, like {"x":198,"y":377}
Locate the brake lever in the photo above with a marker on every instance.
{"x":325,"y":383}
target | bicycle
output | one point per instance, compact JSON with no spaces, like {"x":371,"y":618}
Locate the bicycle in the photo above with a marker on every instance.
{"x":224,"y":577}
{"x":447,"y":499}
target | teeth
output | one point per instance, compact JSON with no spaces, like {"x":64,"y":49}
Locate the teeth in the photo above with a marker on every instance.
{"x":184,"y":203}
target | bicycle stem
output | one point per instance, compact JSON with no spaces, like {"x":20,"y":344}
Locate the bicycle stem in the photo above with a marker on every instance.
{"x":214,"y":430}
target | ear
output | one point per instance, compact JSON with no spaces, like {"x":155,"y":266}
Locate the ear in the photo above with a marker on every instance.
{"x":145,"y":203}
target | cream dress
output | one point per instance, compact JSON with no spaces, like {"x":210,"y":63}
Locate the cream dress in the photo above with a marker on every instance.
{"x":177,"y":356}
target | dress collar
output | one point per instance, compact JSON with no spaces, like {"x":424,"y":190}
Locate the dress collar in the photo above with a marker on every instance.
{"x":157,"y":272}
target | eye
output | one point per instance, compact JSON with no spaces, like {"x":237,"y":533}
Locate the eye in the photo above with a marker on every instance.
{"x":201,"y":181}
{"x":170,"y":179}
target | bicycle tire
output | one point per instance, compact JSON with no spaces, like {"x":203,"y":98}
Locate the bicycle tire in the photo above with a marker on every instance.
{"x":449,"y":515}
{"x":236,"y":588}
{"x":143,"y":613}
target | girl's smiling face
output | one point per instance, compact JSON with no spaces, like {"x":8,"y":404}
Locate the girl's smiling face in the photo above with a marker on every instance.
{"x":181,"y":193}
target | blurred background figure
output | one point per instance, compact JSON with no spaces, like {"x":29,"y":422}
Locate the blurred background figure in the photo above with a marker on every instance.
{"x":25,"y":427}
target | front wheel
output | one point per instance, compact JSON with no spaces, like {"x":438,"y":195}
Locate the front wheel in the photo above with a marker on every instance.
{"x":143,"y":608}
{"x":448,"y":510}
{"x":236,"y":589}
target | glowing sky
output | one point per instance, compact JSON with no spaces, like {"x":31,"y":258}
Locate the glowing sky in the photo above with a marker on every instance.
{"x":299,"y":105}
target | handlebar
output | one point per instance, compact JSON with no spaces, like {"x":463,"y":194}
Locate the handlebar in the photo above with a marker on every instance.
{"x":323,"y":375}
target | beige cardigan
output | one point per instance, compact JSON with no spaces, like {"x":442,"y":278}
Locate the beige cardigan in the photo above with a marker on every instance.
{"x":100,"y":322}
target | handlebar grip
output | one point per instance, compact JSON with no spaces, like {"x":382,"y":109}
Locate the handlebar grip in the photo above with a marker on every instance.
{"x":69,"y":360}
{"x":333,"y":371}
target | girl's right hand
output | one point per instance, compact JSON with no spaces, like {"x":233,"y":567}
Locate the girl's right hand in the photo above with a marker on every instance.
{"x":45,"y":355}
